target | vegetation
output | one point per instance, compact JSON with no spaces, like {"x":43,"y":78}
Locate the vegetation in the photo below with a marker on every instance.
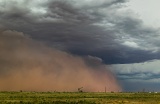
{"x":78,"y":98}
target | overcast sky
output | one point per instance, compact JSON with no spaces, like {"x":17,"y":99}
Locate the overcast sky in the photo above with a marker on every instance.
{"x":123,"y":33}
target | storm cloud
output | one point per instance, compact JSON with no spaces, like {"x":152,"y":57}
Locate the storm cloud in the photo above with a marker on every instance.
{"x":99,"y":28}
{"x":86,"y":33}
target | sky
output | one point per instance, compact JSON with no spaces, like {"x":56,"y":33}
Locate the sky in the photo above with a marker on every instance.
{"x":121,"y":36}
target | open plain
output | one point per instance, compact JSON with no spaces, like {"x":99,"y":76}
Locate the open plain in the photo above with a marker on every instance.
{"x":78,"y":98}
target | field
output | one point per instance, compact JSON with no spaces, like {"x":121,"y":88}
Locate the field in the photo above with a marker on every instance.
{"x":78,"y":98}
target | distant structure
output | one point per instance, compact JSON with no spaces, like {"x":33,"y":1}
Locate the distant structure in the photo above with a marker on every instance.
{"x":80,"y":89}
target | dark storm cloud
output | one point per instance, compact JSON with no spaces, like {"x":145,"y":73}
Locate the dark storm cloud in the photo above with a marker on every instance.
{"x":98,"y":28}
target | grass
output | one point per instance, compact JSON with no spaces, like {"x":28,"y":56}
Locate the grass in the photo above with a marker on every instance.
{"x":78,"y":98}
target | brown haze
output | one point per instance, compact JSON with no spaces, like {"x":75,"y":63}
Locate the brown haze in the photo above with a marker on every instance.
{"x":31,"y":66}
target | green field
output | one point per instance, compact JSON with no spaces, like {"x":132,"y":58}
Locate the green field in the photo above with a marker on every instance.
{"x":78,"y":98}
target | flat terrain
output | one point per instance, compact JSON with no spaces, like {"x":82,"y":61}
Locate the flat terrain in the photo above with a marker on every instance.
{"x":78,"y":98}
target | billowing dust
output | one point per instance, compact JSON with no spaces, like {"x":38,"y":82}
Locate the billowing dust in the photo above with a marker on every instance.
{"x":28,"y":65}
